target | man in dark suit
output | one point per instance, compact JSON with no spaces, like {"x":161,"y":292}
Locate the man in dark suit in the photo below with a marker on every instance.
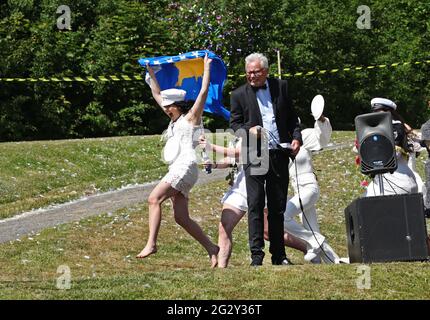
{"x":262,"y":109}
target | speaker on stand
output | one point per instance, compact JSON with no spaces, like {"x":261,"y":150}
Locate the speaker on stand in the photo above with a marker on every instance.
{"x":376,"y":145}
{"x":383,"y":228}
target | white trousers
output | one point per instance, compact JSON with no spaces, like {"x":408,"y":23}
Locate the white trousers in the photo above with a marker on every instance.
{"x":309,"y":193}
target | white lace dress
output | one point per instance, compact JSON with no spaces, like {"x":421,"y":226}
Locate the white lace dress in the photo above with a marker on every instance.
{"x":179,"y":152}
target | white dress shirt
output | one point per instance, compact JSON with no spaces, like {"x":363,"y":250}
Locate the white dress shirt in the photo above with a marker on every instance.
{"x":264,"y":101}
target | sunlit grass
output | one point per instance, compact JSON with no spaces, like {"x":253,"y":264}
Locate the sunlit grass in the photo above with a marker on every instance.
{"x":100,"y":254}
{"x":36,"y":174}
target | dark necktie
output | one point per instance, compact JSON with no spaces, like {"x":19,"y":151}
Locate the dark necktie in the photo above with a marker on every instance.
{"x":263,"y":87}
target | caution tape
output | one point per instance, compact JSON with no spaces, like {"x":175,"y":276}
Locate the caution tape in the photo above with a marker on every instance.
{"x":347,"y":69}
{"x":77,"y":79}
{"x":140,"y":78}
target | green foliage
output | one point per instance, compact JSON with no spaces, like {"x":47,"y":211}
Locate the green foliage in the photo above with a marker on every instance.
{"x":108,"y":36}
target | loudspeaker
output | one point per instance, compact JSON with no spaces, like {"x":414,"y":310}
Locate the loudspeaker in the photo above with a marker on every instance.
{"x":387,"y":228}
{"x":376,"y":143}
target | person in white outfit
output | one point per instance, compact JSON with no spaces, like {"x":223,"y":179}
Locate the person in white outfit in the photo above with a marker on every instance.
{"x":412,"y":164}
{"x":181,"y":155}
{"x":414,"y":140}
{"x":403,"y":180}
{"x":234,"y":201}
{"x":318,"y":137}
{"x":306,"y":188}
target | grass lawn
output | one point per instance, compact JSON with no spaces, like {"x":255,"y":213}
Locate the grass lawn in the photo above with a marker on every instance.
{"x":99,"y":252}
{"x":36,"y":174}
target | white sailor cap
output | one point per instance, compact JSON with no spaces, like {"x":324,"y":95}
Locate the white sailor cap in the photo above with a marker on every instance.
{"x":170,"y":96}
{"x":317,"y":106}
{"x":381,"y":103}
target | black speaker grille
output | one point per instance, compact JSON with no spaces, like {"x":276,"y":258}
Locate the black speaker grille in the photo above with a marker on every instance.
{"x":377,"y":154}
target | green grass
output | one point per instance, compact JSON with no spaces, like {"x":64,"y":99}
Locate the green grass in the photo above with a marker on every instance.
{"x":100,"y":254}
{"x":36,"y":174}
{"x":338,"y":137}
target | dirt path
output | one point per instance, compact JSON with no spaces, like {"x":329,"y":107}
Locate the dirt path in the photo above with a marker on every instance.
{"x":35,"y":221}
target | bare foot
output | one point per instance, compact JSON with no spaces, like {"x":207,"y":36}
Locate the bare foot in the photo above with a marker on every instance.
{"x":148,"y":250}
{"x":223,"y":258}
{"x":213,"y":255}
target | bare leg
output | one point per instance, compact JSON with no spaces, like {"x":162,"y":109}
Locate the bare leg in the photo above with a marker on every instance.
{"x":294,"y":242}
{"x":428,"y":244}
{"x":289,"y":240}
{"x":160,"y":193}
{"x":229,"y":218}
{"x":266,"y":225}
{"x":182,"y":217}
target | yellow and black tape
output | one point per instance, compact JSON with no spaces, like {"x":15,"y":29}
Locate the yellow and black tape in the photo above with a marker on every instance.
{"x":141,"y":78}
{"x":77,"y":79}
{"x":347,"y":69}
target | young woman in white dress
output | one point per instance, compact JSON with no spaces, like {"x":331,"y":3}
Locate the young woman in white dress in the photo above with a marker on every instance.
{"x":183,"y":170}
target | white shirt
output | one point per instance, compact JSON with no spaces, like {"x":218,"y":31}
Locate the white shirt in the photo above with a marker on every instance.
{"x":305,"y":172}
{"x":316,"y":138}
{"x":264,"y":101}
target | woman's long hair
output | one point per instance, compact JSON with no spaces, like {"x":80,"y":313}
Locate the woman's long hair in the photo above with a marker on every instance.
{"x":184,"y":106}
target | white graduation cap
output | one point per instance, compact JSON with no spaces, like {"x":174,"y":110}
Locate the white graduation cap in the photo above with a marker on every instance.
{"x":381,"y":103}
{"x":170,"y":96}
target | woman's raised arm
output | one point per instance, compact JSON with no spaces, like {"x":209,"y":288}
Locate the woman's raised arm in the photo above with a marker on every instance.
{"x":155,"y":87}
{"x":196,"y":112}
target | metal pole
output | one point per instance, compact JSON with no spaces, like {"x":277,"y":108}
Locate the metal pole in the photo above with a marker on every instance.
{"x":279,"y":64}
{"x":381,"y":185}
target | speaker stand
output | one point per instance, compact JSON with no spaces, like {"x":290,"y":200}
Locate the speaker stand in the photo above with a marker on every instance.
{"x":381,"y":184}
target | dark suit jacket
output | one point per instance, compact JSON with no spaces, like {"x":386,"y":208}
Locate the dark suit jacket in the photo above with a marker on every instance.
{"x":245,"y":112}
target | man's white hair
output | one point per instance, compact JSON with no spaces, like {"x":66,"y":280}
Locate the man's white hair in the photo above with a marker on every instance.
{"x":257,"y":57}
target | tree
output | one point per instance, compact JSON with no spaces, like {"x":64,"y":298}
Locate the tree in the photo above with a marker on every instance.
{"x":108,"y":36}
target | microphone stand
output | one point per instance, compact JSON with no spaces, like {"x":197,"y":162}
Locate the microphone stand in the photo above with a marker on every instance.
{"x":381,"y":184}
